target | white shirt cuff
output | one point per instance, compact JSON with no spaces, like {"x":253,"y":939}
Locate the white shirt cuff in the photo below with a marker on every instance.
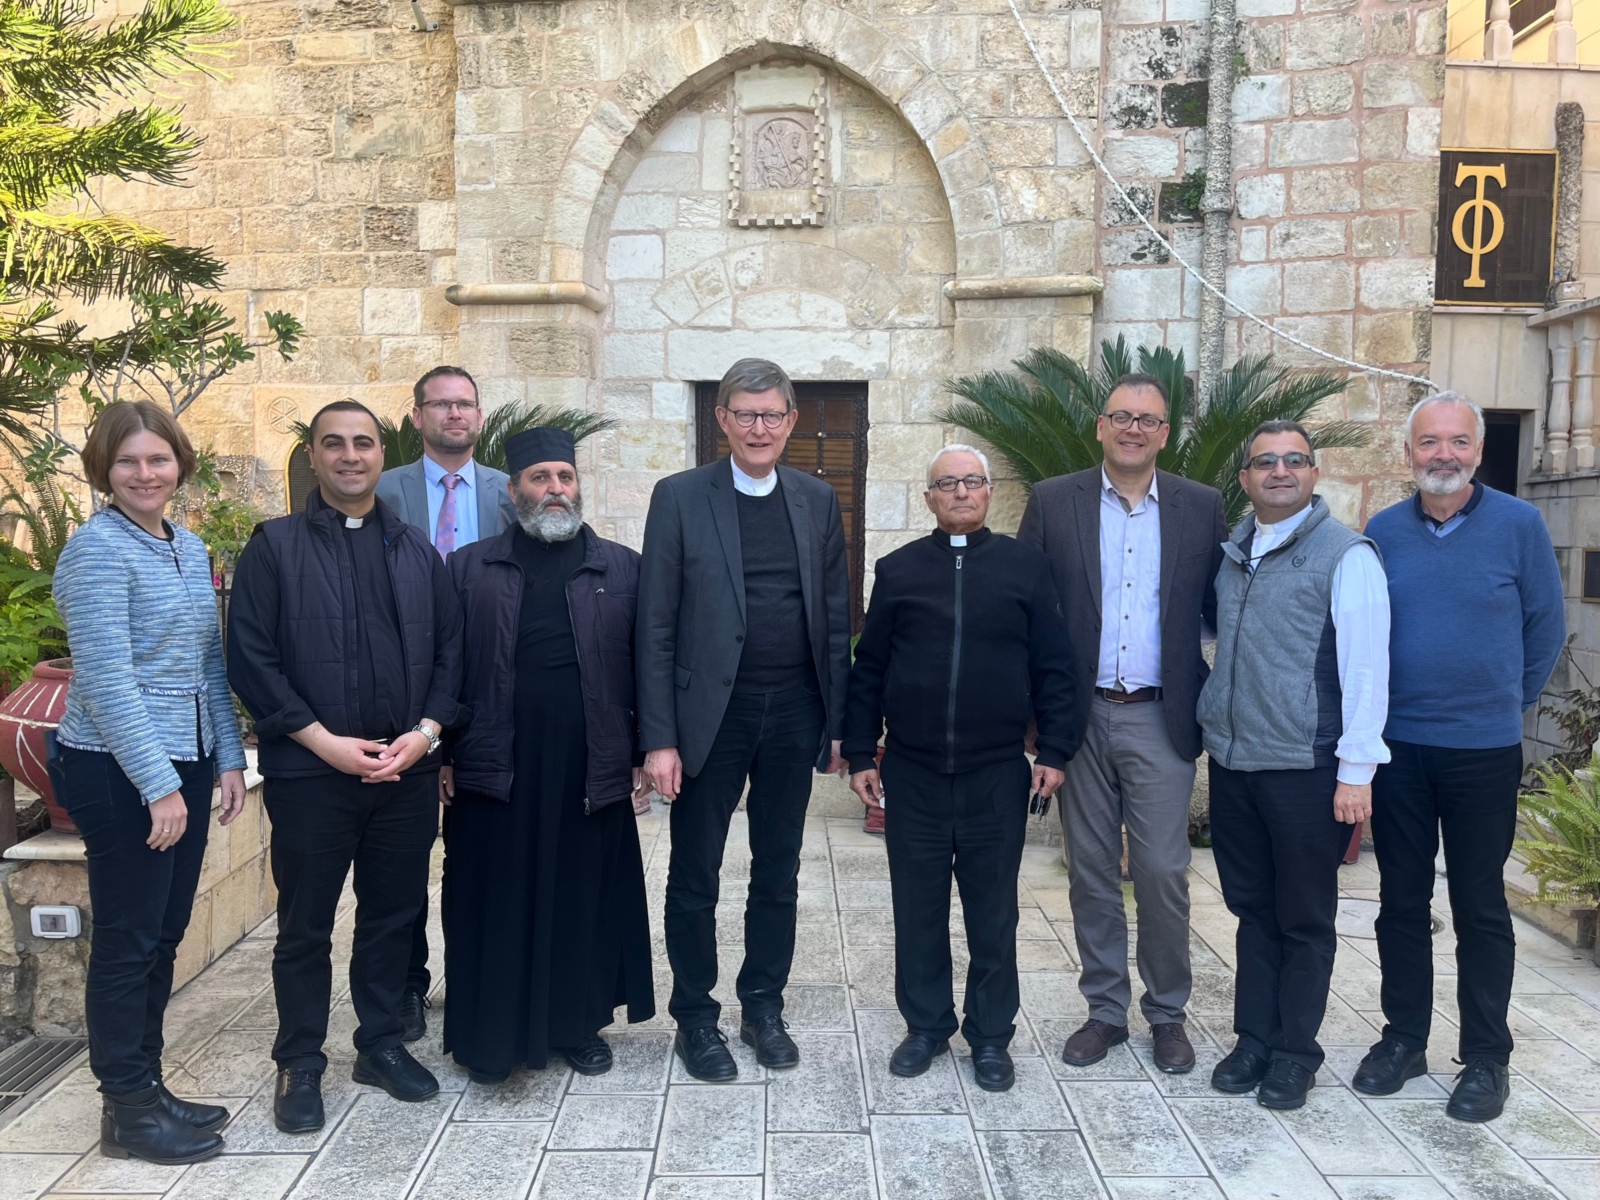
{"x":1356,"y":774}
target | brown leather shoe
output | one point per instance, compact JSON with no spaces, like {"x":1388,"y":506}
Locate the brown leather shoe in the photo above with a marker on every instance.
{"x":1092,"y":1042}
{"x":1174,"y":1055}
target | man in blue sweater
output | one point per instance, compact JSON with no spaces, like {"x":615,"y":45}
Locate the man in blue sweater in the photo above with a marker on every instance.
{"x":1468,"y":567}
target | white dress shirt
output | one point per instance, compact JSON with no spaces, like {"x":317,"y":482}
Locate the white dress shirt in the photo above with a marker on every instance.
{"x":750,"y":485}
{"x":1360,"y":608}
{"x":1130,"y":589}
{"x":466,"y":501}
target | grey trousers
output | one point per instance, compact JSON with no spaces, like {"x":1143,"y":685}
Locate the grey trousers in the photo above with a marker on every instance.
{"x":1128,"y":774}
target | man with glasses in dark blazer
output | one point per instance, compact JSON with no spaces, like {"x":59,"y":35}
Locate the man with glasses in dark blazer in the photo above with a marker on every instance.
{"x":743,"y":652}
{"x":1135,"y":551}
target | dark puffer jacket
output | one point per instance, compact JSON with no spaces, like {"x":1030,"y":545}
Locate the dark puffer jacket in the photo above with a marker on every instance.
{"x":292,"y":636}
{"x":602,"y":597}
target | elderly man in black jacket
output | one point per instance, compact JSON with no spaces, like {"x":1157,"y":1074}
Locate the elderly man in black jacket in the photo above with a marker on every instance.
{"x":344,"y":642}
{"x":964,"y":645}
{"x":545,"y":921}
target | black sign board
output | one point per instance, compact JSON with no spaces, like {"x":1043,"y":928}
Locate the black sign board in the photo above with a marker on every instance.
{"x":1497,"y":212}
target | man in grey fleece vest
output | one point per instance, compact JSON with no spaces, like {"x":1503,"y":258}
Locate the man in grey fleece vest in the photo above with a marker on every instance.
{"x":1292,"y":718}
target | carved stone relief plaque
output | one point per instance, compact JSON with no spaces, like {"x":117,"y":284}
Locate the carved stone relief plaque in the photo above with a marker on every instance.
{"x":778,"y":168}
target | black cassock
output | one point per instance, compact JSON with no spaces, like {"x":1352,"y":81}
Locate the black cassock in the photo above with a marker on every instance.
{"x":546,"y":928}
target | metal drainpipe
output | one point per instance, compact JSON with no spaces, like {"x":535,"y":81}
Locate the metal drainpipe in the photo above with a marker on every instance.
{"x":1216,"y":201}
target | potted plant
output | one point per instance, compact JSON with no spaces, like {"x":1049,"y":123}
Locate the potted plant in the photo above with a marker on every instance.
{"x":1561,"y":835}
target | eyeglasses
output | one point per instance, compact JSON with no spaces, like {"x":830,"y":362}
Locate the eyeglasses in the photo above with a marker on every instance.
{"x":1294,"y":460}
{"x":747,"y":417}
{"x":947,"y":483}
{"x":1123,"y":419}
{"x":444,"y":406}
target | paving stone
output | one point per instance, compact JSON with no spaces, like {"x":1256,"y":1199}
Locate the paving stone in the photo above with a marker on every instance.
{"x":860,"y":862}
{"x":818,"y":957}
{"x":1341,"y":1063}
{"x":234,"y":1063}
{"x":252,"y":1132}
{"x":1576,"y":1179}
{"x":483,"y":1161}
{"x":1468,"y":1160}
{"x":1197,"y":1082}
{"x":820,"y":1166}
{"x":859,"y":893}
{"x":1163,"y":1189}
{"x":640,"y":1062}
{"x":1571,"y":1078}
{"x":1343,"y":1026}
{"x":1248,"y":1151}
{"x":97,"y":1174}
{"x":689,"y":1187}
{"x":26,"y":1176}
{"x":744,"y":1057}
{"x":1038,"y":1166}
{"x":817,"y":1006}
{"x":1119,"y":1062}
{"x":378,"y":1150}
{"x":1341,"y":1137}
{"x":867,"y":927}
{"x":607,"y":1123}
{"x":935,"y":1091}
{"x":927,"y":1158}
{"x":871,"y":974}
{"x":712,"y":1129}
{"x":526,"y":1096}
{"x":824,"y":1093}
{"x":1129,"y":1130}
{"x":578,"y":1176}
{"x":66,"y":1120}
{"x":1537,"y":1127}
{"x":256,"y":1177}
{"x":243,"y":971}
{"x":1378,"y":1188}
{"x":1033,"y":1102}
{"x":1048,"y":994}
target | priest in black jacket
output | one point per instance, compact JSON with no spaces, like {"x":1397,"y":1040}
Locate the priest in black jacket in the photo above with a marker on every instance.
{"x":964,"y":645}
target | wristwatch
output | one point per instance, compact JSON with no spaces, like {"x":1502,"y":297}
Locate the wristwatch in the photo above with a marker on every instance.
{"x":433,"y":738}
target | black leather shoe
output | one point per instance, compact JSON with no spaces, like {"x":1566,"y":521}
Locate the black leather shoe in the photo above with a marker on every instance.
{"x":297,"y":1104}
{"x":1482,"y":1089}
{"x":138,"y":1125}
{"x":201,"y":1116}
{"x":1239,"y":1072}
{"x":591,"y":1058}
{"x":991,"y":1067}
{"x":413,"y":1015}
{"x":915,"y":1055}
{"x":769,"y":1038}
{"x":1285,"y":1085}
{"x":396,"y":1072}
{"x":705,"y":1054}
{"x":1387,"y":1066}
{"x":488,"y":1078}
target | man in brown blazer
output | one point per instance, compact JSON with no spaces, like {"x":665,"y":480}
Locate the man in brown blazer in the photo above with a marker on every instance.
{"x":1135,"y":553}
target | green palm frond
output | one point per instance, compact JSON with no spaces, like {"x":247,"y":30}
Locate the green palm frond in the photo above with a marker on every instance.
{"x":87,"y":257}
{"x":1041,"y":417}
{"x":1561,"y":833}
{"x":40,"y":158}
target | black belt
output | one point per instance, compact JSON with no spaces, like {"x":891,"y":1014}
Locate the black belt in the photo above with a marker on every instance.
{"x":1137,"y":696}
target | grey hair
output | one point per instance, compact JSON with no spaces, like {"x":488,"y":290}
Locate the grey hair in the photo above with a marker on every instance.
{"x":1443,"y":398}
{"x":755,"y":375}
{"x":955,"y":446}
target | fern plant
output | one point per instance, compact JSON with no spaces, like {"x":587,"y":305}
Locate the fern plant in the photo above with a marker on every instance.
{"x":1041,"y":418}
{"x":1561,"y":833}
{"x":402,"y":443}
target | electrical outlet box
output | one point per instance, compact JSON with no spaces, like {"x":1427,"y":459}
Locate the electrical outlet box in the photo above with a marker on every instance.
{"x":56,"y":921}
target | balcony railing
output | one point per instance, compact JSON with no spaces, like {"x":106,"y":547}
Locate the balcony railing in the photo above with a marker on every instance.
{"x":1563,"y":32}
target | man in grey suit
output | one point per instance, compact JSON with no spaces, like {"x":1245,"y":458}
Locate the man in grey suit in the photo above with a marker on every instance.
{"x":1135,"y":553}
{"x":454,"y":501}
{"x":743,"y":653}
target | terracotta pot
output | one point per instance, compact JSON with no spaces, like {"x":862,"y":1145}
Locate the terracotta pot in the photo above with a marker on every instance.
{"x":26,"y":715}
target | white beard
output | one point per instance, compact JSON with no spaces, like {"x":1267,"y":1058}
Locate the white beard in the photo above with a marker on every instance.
{"x":1442,"y":483}
{"x":552,"y":519}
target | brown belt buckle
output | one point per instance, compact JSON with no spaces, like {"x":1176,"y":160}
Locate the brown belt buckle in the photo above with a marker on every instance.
{"x":1112,"y":695}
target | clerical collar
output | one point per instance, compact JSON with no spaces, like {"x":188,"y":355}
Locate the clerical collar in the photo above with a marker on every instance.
{"x":354,"y":522}
{"x":958,"y":539}
{"x":750,"y":485}
{"x":962,"y":541}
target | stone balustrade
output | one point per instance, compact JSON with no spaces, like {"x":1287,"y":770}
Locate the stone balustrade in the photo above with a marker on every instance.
{"x":1572,"y":335}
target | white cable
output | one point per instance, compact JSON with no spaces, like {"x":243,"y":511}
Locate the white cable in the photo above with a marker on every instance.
{"x":1178,"y":258}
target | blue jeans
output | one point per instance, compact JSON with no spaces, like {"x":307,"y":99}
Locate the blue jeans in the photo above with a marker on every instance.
{"x":141,"y":900}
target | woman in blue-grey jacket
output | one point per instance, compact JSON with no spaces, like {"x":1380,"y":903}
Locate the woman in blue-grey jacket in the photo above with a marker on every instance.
{"x":149,"y":725}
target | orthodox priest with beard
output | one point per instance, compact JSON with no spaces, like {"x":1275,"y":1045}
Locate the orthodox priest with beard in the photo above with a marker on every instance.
{"x":545,"y":924}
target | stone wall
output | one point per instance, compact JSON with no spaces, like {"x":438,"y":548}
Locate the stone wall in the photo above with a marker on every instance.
{"x":1337,"y":116}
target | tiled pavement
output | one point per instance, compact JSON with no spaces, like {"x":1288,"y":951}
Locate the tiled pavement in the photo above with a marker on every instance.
{"x":840,"y":1126}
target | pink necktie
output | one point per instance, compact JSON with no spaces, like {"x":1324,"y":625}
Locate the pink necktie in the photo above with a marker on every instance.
{"x":444,"y":534}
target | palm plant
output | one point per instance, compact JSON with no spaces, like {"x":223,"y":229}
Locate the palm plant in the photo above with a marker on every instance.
{"x":1561,"y":833}
{"x":1041,"y":418}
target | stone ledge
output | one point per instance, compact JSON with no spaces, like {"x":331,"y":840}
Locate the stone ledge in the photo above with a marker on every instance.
{"x":526,"y":293}
{"x":1028,"y":286}
{"x":1563,"y":312}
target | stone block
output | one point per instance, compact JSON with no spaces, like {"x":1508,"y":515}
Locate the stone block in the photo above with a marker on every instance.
{"x":1183,"y":105}
{"x":8,"y":934}
{"x":1308,"y":239}
{"x":1432,"y":30}
{"x":1383,"y":135}
{"x":1009,"y":143}
{"x":1133,"y":12}
{"x":1132,"y":247}
{"x":1391,"y":33}
{"x":1324,"y":93}
{"x":1131,"y":106}
{"x":1261,"y":98}
{"x":1422,"y":131}
{"x":389,"y":227}
{"x":1375,"y":237}
{"x":1153,"y":156}
{"x":1308,"y":143}
{"x":1252,"y":243}
{"x":46,"y":882}
{"x":1043,"y":195}
{"x":1404,"y":83}
{"x":1117,"y":211}
{"x":1265,"y":8}
{"x":1142,"y":294}
{"x":1401,"y":185}
{"x":552,"y":350}
{"x":391,"y":310}
{"x":634,"y":256}
{"x":59,"y":971}
{"x":1260,"y":196}
{"x":1311,"y":287}
{"x":1257,"y":287}
{"x":707,"y":354}
{"x":1388,"y":337}
{"x":1325,"y":41}
{"x":1324,"y":190}
{"x":1151,"y":52}
{"x":1249,"y":147}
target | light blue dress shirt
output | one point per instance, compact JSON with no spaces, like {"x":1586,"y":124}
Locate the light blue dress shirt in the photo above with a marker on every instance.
{"x":466,"y":500}
{"x":1130,"y":590}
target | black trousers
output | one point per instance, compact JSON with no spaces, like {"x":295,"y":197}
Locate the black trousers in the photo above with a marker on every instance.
{"x":1472,"y":796}
{"x":1278,"y":848}
{"x":141,"y":900}
{"x":971,"y":824}
{"x":772,"y":740}
{"x":320,"y":828}
{"x":417,"y":974}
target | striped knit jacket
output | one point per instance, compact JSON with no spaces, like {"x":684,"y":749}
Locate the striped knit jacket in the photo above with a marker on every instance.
{"x":141,"y":618}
